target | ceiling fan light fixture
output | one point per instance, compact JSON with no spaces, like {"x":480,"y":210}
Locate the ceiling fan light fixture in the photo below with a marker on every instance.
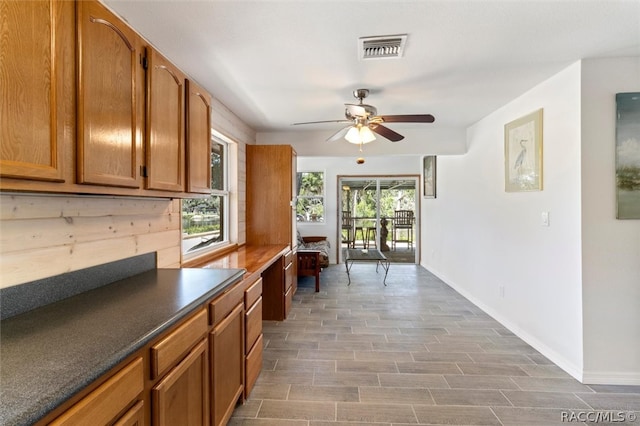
{"x":359,"y":135}
{"x":367,"y":135}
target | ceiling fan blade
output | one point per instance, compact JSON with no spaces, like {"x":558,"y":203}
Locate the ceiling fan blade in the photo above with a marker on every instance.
{"x":408,"y":118}
{"x":356,"y":110}
{"x":339,"y":134}
{"x":386,"y":132}
{"x":325,"y":121}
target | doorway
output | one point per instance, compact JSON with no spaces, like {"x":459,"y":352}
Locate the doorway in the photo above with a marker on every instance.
{"x":380,"y":212}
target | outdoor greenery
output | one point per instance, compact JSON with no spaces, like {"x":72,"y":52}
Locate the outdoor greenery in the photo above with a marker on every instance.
{"x":203,"y":218}
{"x":310,"y":200}
{"x":201,"y":215}
{"x":365,"y":201}
{"x":217,"y":166}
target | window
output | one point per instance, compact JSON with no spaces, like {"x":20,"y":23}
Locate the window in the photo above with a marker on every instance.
{"x":310,"y":204}
{"x":205,"y":220}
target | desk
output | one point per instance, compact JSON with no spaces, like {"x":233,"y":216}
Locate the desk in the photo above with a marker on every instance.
{"x":273,"y":264}
{"x":366,"y":256}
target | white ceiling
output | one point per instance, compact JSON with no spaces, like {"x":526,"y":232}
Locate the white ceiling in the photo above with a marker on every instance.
{"x":276,"y":62}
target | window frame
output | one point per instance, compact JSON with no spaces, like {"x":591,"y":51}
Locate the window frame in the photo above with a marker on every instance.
{"x":323,"y":197}
{"x":225,"y":217}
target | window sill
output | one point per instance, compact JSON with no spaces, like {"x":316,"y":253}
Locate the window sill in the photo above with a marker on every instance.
{"x":204,"y":258}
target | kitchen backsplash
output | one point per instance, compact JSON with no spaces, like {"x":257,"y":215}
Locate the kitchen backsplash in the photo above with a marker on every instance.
{"x":22,"y":298}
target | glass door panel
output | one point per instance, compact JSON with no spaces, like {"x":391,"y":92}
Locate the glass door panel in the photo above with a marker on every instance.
{"x":369,"y":215}
{"x":398,"y":212}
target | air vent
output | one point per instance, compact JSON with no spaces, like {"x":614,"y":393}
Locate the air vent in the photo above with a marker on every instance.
{"x":381,"y":47}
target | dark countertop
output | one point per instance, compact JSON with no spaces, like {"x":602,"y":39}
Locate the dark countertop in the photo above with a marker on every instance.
{"x":52,"y":352}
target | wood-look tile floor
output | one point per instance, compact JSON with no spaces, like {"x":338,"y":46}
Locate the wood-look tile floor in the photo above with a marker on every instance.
{"x":414,"y":352}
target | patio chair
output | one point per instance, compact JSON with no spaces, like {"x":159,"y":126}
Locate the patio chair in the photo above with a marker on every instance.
{"x":402,"y":221}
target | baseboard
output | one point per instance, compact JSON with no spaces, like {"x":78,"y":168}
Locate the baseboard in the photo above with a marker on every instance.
{"x":611,"y":378}
{"x":566,"y":365}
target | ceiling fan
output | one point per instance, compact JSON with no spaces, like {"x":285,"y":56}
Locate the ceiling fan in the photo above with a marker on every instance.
{"x":364,"y":120}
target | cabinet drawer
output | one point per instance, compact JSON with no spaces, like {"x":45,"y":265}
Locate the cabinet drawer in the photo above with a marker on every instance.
{"x":252,"y":294}
{"x":288,"y":299}
{"x":288,"y":277}
{"x":252,"y":324}
{"x":288,"y":257}
{"x":225,"y":303}
{"x":253,"y":365}
{"x":103,"y":404}
{"x":170,"y":350}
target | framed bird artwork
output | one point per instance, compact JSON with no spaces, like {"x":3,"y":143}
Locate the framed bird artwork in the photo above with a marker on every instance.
{"x":523,"y":153}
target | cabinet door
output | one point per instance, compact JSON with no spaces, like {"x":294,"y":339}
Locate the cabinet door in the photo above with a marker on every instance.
{"x":32,"y":73}
{"x":165,"y":124}
{"x":198,"y":139}
{"x":110,"y":98}
{"x":181,"y":397}
{"x":227,"y":365}
{"x":270,"y":211}
{"x":133,"y":417}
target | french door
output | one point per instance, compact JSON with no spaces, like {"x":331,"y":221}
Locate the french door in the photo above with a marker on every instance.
{"x":380,"y":212}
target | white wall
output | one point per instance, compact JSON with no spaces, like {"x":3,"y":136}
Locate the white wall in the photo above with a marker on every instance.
{"x":345,"y":166}
{"x":490,"y":245}
{"x":611,"y":248}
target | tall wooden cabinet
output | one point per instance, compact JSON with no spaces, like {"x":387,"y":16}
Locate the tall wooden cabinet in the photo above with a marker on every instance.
{"x":271,"y":219}
{"x":271,"y":181}
{"x":36,"y":94}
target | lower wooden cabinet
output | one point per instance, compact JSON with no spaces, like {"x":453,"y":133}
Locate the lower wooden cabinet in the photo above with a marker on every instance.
{"x":181,"y":397}
{"x":193,"y":375}
{"x":252,"y":335}
{"x":278,"y":288}
{"x":104,"y":405}
{"x":133,"y":417}
{"x":289,"y":274}
{"x":227,"y":364}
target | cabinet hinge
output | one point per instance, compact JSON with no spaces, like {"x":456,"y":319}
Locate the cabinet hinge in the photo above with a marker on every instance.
{"x":143,"y":171}
{"x":144,"y":62}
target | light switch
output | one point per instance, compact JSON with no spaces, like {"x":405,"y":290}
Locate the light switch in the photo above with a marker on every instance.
{"x":545,"y":218}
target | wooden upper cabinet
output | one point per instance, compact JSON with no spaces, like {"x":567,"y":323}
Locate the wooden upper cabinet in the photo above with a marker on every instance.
{"x":198,"y":139}
{"x":36,"y":55}
{"x":110,"y":98}
{"x":165,"y":147}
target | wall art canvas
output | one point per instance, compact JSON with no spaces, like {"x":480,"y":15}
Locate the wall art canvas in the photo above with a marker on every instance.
{"x":628,"y":155}
{"x":523,"y":153}
{"x":429,"y":176}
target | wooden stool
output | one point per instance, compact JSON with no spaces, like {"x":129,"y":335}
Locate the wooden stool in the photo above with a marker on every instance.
{"x":362,"y":237}
{"x":371,"y":236}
